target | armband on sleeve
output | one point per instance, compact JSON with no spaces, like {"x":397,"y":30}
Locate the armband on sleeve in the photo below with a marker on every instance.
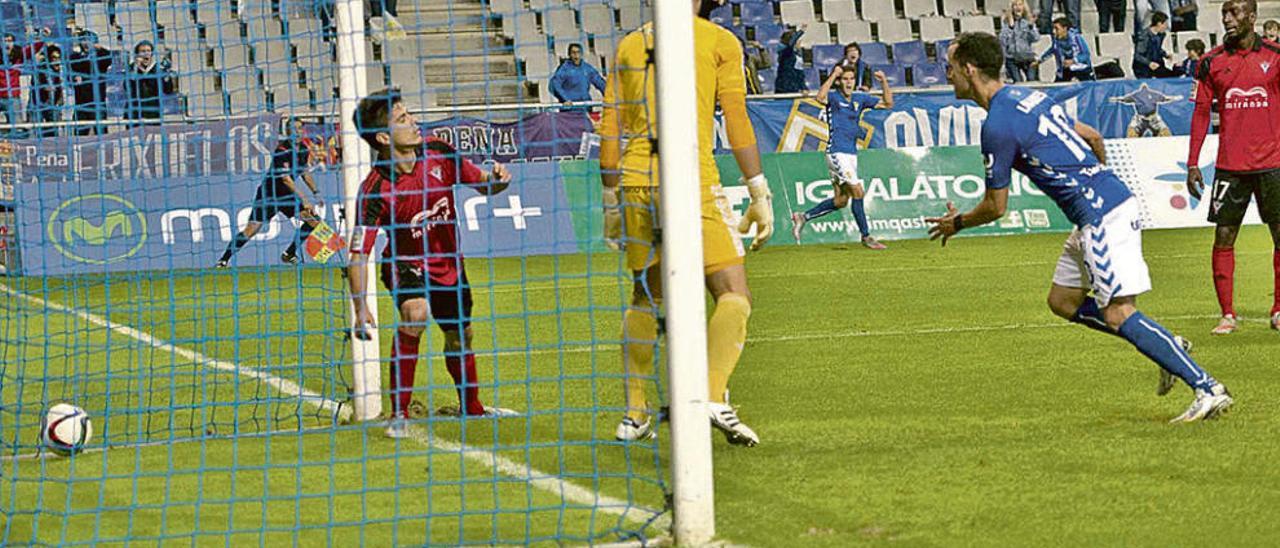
{"x":363,"y":240}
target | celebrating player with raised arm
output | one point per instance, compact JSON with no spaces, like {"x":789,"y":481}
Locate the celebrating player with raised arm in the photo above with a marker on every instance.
{"x":409,"y":194}
{"x":1027,"y":131}
{"x":630,"y":177}
{"x":845,"y":106}
{"x":1238,"y":76}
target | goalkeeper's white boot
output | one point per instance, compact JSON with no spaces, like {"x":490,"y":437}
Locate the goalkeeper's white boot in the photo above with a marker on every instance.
{"x":1167,"y":380}
{"x":725,"y":418}
{"x":1208,"y":404}
{"x":397,"y":428}
{"x":630,"y":430}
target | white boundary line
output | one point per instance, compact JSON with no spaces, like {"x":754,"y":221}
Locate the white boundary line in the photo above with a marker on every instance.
{"x":495,"y":462}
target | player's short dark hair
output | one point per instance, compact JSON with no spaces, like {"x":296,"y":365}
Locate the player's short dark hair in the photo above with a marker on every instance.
{"x":853,"y":46}
{"x":1158,"y":17}
{"x":1196,"y":45}
{"x":373,"y":114}
{"x":146,"y":43}
{"x":11,"y":36}
{"x":982,"y":50}
{"x":1271,"y":24}
{"x":574,"y":45}
{"x":1064,"y":22}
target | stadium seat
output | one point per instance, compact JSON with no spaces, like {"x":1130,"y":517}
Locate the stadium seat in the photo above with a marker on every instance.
{"x":767,"y":78}
{"x":826,"y":56}
{"x":812,"y":78}
{"x":895,"y":74}
{"x":909,"y":53}
{"x":739,"y":31}
{"x":834,"y":11}
{"x":853,"y":31}
{"x":940,"y":50}
{"x":756,"y":13}
{"x":541,"y":5}
{"x":631,"y":16}
{"x":769,"y":34}
{"x":522,"y":25}
{"x":722,"y":15}
{"x":937,"y":28}
{"x":893,"y":30}
{"x":878,"y":10}
{"x":499,"y":7}
{"x":1116,"y":44}
{"x":874,"y":53}
{"x":976,"y":23}
{"x":817,"y":34}
{"x":797,"y":12}
{"x":598,"y":19}
{"x":929,"y":74}
{"x":915,"y":9}
{"x":957,"y":8}
{"x":560,"y":23}
{"x":1089,"y":22}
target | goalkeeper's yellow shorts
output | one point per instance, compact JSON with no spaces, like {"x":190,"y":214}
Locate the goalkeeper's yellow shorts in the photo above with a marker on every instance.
{"x":642,"y":230}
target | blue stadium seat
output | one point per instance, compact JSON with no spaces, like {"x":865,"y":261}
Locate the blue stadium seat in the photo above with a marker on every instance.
{"x":895,"y":74}
{"x":940,"y":50}
{"x":909,"y":53}
{"x":874,"y":53}
{"x":756,"y":13}
{"x":722,"y":15}
{"x":738,"y":30}
{"x":827,"y":55}
{"x":928,"y":74}
{"x":812,"y":78}
{"x":769,"y":34}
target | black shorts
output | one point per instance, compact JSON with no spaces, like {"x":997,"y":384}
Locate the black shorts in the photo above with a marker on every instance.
{"x":1229,"y":198}
{"x":450,"y":304}
{"x":271,"y":199}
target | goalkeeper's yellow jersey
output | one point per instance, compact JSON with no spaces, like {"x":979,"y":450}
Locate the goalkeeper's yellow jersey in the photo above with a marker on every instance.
{"x":630,"y":111}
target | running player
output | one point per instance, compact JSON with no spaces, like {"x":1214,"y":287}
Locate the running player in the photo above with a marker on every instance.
{"x":1237,"y":76}
{"x":279,"y":194}
{"x":1027,"y":131}
{"x":409,"y":193}
{"x":844,"y":111}
{"x":630,"y":177}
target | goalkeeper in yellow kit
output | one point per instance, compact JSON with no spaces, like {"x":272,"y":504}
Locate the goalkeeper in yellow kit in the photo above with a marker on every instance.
{"x":628,"y":161}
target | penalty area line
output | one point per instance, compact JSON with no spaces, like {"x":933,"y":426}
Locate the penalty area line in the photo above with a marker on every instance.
{"x":497,"y":463}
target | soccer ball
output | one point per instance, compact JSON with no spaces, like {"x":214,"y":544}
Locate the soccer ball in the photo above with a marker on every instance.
{"x":66,"y":429}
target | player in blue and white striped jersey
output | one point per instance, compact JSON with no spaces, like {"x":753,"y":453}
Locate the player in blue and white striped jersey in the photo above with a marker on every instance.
{"x":1101,"y":271}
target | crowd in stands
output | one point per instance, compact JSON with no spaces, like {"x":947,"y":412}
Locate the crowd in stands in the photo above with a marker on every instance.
{"x":57,"y":85}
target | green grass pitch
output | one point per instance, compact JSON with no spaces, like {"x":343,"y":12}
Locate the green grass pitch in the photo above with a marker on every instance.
{"x":921,"y":396}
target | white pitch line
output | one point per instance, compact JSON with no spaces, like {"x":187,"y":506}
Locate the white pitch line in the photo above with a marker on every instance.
{"x":497,"y":463}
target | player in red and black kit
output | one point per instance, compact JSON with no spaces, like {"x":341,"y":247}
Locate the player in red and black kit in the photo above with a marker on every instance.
{"x":1243,"y":77}
{"x":409,"y":194}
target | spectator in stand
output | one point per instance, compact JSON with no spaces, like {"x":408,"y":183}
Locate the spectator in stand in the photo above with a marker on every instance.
{"x":755,"y":58}
{"x":146,"y":84}
{"x":790,"y":77}
{"x":1070,"y":51}
{"x":1110,"y":15}
{"x":1142,"y":10}
{"x":1183,"y":14}
{"x":90,"y":65}
{"x":386,"y":10}
{"x":853,"y":62}
{"x":1149,"y":55}
{"x":1195,"y":50}
{"x":1271,"y":30}
{"x":1071,"y":11}
{"x":47,"y":96}
{"x":574,"y":79}
{"x":14,"y":59}
{"x":1018,"y":37}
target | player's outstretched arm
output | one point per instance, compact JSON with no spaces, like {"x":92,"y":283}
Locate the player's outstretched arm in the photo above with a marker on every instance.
{"x":887,"y":100}
{"x":357,"y":270}
{"x":821,"y":95}
{"x":992,"y":207}
{"x":1091,"y":136}
{"x":498,"y":179}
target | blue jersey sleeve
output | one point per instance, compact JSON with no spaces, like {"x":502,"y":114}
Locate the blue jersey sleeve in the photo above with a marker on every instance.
{"x":833,"y":97}
{"x":999,"y":149}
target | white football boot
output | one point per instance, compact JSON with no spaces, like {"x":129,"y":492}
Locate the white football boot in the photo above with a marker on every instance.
{"x":1226,"y":326}
{"x":397,"y":428}
{"x":725,"y":418}
{"x":630,"y":430}
{"x":1275,"y":321}
{"x":1208,"y":404}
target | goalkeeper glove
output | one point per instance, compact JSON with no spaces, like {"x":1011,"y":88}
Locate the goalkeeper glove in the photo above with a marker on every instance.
{"x":612,"y":218}
{"x":759,"y":213}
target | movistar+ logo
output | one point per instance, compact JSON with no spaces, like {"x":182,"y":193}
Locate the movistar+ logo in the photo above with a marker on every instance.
{"x":97,"y":229}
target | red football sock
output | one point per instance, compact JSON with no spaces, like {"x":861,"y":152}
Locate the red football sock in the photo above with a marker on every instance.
{"x":404,"y":362}
{"x":465,"y":380}
{"x":1224,"y":274}
{"x":1275,"y":265}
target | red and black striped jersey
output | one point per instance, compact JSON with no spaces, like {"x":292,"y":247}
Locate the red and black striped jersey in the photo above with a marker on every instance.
{"x":1245,"y":83}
